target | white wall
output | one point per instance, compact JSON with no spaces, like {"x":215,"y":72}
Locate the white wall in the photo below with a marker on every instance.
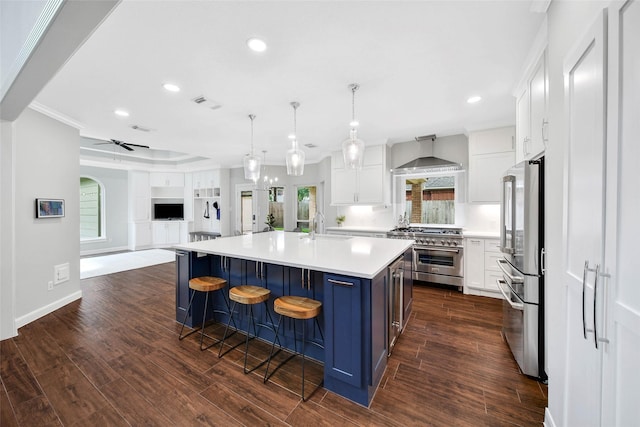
{"x":567,"y":21}
{"x":115,"y":186}
{"x":7,"y":312}
{"x":46,"y":165}
{"x":314,"y":174}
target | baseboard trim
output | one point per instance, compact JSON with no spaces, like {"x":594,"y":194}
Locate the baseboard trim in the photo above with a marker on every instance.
{"x":548,"y":419}
{"x":104,"y":251}
{"x":49,"y":308}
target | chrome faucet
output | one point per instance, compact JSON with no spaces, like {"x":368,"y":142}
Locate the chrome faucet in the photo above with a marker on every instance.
{"x":314,"y":224}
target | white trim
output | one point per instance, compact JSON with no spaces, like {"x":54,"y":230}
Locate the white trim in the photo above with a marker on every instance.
{"x":49,"y":308}
{"x":55,"y":115}
{"x":104,"y":250}
{"x":548,"y":419}
{"x":38,"y":30}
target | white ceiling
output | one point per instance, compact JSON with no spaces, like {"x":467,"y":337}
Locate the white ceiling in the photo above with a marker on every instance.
{"x":416,"y":63}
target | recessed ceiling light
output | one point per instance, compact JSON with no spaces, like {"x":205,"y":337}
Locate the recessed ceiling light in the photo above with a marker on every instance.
{"x":171,"y":87}
{"x":474,"y":99}
{"x":121,"y":113}
{"x":256,"y":45}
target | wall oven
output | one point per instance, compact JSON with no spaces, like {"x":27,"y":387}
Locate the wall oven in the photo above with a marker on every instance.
{"x":438,"y":254}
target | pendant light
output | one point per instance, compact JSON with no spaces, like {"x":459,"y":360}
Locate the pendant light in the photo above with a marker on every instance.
{"x":251,"y":161}
{"x":353,"y":148}
{"x":295,"y":156}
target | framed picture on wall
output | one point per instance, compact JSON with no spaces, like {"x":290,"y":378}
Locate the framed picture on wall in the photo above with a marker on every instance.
{"x":49,"y":208}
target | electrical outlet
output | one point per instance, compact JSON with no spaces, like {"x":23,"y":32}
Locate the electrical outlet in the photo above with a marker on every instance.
{"x":50,"y":285}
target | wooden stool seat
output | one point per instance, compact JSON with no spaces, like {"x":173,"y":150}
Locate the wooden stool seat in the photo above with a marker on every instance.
{"x":297,"y":307}
{"x":207,"y":283}
{"x":247,"y":294}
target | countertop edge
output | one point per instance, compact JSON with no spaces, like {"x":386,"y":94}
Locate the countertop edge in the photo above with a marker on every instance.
{"x":481,"y":234}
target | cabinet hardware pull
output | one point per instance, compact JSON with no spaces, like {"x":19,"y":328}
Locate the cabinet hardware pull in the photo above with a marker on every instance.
{"x":542,"y":131}
{"x":584,"y":286}
{"x":308,"y":279}
{"x":595,"y":303}
{"x":543,"y":252}
{"x":257,"y":267}
{"x":302,"y":278}
{"x":339,"y":282}
{"x":180,"y":253}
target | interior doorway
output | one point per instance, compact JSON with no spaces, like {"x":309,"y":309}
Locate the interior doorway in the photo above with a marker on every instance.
{"x":246,"y":211}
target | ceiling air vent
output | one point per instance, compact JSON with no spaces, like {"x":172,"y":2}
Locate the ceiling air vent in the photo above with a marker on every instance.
{"x":140,"y":128}
{"x":202,"y":100}
{"x":310,"y":145}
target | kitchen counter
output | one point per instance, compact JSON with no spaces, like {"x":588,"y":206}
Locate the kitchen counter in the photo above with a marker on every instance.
{"x":369,"y":229}
{"x":356,"y":256}
{"x":349,"y":275}
{"x":481,"y":234}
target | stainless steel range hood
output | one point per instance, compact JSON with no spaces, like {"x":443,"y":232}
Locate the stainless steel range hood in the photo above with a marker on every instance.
{"x":427,"y":164}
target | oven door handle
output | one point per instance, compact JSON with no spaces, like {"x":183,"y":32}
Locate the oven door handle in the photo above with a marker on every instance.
{"x":514,"y":305}
{"x":512,"y":278}
{"x":426,"y":248}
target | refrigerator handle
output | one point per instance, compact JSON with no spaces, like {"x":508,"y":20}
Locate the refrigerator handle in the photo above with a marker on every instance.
{"x":543,"y":270}
{"x":584,"y":286}
{"x":503,"y":215}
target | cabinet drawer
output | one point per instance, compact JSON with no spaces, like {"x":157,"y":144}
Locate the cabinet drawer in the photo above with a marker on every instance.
{"x":491,"y":261}
{"x":490,"y":278}
{"x":492,"y":245}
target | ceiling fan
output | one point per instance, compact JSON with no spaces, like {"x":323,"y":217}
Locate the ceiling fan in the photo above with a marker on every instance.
{"x":126,"y":145}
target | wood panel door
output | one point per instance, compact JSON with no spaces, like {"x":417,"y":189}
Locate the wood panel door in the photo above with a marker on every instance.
{"x":620,"y":294}
{"x":583,"y":222}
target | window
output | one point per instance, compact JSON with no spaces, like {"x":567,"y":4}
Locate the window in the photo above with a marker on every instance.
{"x":306,"y":205}
{"x":91,"y":209}
{"x":430,"y":199}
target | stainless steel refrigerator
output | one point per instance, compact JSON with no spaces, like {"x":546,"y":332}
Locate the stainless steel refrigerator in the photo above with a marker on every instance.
{"x":522,"y":265}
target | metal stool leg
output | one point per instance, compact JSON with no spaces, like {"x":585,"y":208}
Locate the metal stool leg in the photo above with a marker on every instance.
{"x":186,"y":314}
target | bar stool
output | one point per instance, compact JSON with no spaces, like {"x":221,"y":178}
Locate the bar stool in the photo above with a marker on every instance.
{"x":295,"y":308}
{"x":205,"y":284}
{"x":248,"y":296}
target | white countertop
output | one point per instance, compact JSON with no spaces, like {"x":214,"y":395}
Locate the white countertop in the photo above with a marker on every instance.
{"x":481,"y":234}
{"x":352,"y":256}
{"x":365,"y":229}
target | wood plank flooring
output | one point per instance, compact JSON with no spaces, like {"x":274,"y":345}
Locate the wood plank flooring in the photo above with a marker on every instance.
{"x":113,"y":358}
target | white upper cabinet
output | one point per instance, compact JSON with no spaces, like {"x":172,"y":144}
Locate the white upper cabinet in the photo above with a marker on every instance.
{"x":166,"y":179}
{"x":538,"y":88}
{"x":368,"y":186}
{"x":532,"y":101}
{"x":491,"y":153}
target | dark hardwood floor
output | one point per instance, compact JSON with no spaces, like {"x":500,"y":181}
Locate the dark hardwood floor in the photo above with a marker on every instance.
{"x":113,"y":358}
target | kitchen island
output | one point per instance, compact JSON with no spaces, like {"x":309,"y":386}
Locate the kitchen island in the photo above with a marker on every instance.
{"x":348,"y":274}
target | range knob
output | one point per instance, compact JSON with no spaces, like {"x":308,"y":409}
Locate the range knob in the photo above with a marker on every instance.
{"x":454,"y":243}
{"x":442,"y":242}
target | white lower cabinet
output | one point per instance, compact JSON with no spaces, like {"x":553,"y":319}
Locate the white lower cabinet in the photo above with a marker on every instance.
{"x":480,"y":267}
{"x":166,"y":232}
{"x":140,"y":235}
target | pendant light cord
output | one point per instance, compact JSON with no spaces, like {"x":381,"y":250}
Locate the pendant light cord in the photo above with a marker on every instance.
{"x":295,"y":106}
{"x":251,"y":116}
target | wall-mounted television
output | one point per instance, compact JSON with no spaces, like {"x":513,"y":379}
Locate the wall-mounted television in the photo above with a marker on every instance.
{"x":168,"y":211}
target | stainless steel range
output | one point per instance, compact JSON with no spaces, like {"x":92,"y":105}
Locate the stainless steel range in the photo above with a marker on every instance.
{"x":437,"y":254}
